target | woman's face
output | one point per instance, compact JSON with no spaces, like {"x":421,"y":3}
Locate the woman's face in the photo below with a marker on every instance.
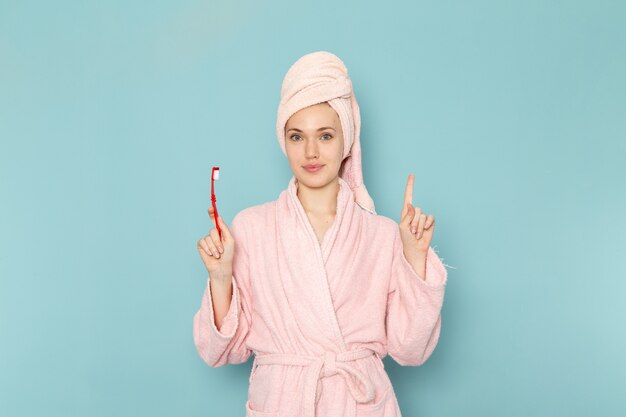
{"x":313,"y":136}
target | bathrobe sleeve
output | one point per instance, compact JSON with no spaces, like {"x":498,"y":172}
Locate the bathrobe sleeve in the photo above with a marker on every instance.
{"x":413,"y":320}
{"x":228,"y":344}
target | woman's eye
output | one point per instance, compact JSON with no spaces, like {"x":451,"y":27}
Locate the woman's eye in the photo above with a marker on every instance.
{"x":325,"y":137}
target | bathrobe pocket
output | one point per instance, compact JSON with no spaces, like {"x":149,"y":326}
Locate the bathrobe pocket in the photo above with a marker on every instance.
{"x":254,"y":413}
{"x":263,"y":392}
{"x":377,"y":407}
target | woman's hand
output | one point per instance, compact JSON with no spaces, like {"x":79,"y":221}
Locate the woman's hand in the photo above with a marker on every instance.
{"x":416,"y":228}
{"x":217,"y":255}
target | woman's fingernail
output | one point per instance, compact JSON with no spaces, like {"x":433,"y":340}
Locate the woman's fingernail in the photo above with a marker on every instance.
{"x":221,"y":249}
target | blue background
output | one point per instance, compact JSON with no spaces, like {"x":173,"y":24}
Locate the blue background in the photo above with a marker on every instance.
{"x":512,"y":115}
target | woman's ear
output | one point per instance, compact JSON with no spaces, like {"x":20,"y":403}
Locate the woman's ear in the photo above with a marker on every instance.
{"x":343,"y":165}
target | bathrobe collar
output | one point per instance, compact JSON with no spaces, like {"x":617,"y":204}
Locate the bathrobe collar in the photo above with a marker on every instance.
{"x":304,"y":260}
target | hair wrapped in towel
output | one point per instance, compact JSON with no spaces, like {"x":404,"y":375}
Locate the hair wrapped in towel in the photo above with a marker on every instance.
{"x":320,"y":77}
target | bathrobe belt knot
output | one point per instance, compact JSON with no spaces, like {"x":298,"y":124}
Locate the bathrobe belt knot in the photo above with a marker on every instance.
{"x":328,"y":364}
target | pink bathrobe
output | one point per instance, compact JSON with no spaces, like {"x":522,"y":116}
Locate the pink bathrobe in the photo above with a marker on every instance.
{"x":320,"y":318}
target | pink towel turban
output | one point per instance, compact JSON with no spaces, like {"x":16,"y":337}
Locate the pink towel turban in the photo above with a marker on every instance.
{"x":315,"y":78}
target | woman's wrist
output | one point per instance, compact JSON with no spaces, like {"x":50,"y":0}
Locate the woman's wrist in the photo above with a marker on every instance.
{"x":222,"y":277}
{"x":418,"y":262}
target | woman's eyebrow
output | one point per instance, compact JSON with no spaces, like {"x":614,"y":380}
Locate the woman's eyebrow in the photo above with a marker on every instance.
{"x":321,"y":128}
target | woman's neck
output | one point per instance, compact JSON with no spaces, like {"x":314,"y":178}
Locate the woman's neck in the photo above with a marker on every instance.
{"x":319,"y":201}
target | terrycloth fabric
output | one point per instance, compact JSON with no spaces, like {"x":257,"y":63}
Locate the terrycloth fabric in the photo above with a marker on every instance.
{"x":320,"y":318}
{"x":315,"y":78}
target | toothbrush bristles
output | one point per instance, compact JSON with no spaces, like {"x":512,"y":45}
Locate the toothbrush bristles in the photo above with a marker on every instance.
{"x":216,"y":174}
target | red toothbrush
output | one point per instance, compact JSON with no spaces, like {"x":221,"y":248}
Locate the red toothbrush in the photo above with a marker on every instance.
{"x":215,"y":175}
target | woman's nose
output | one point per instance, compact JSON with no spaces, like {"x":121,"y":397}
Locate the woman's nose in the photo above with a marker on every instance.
{"x":311,"y":149}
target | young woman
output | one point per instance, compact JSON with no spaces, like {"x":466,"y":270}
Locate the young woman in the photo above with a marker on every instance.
{"x":316,"y":284}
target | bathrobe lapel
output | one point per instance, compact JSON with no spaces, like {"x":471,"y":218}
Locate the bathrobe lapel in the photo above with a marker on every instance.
{"x":303,"y":263}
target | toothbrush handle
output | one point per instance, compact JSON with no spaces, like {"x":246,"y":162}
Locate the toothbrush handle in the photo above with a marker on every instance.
{"x":217,"y":223}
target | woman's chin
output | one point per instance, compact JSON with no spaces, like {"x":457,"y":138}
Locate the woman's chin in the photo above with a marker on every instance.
{"x":314,"y":181}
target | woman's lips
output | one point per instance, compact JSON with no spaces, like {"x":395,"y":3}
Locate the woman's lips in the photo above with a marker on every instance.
{"x":313,"y":168}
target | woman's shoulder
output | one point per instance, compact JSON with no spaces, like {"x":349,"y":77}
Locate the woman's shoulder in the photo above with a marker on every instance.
{"x":380,"y":221}
{"x":381,"y":227}
{"x":249,"y":222}
{"x":255,"y":214}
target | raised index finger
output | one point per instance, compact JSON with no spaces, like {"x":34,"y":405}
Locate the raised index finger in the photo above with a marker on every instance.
{"x":408,"y":193}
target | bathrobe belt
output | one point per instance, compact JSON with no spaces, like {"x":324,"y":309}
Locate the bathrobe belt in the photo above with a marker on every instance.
{"x":326,"y":365}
